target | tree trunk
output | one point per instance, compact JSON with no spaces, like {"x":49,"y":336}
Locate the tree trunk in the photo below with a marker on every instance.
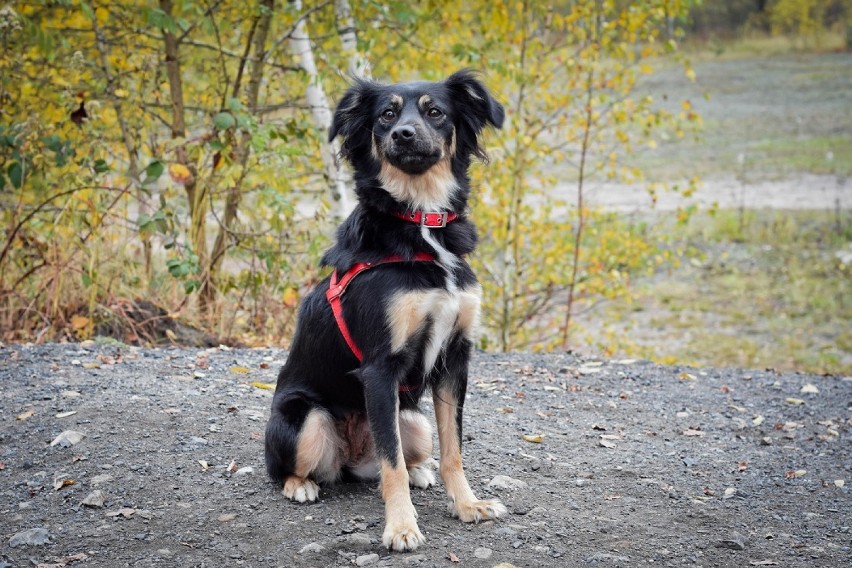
{"x":346,"y":31}
{"x":196,"y":195}
{"x":301,"y":49}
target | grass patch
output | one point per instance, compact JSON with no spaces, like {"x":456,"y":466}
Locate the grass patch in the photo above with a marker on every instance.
{"x":762,"y":289}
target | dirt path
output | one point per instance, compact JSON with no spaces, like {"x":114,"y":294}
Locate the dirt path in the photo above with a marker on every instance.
{"x":638,"y":464}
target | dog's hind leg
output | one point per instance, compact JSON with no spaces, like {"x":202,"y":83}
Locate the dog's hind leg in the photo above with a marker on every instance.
{"x":448,"y":396}
{"x":380,"y":393}
{"x":416,"y":434}
{"x":302,"y":447}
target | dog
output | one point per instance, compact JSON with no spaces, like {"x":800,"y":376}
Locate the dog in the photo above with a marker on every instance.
{"x":399,"y":314}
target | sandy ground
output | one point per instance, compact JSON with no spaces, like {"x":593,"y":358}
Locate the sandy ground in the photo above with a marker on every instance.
{"x":638,"y":464}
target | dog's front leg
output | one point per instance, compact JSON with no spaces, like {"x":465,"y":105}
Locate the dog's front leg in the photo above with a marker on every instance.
{"x":380,"y":391}
{"x":448,"y":396}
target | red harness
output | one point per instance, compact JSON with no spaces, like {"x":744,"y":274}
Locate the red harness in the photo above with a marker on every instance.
{"x":337,"y":285}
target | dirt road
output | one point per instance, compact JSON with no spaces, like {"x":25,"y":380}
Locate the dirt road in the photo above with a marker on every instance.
{"x":637,"y":464}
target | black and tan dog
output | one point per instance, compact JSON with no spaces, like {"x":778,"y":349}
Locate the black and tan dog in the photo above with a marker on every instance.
{"x":347,"y":397}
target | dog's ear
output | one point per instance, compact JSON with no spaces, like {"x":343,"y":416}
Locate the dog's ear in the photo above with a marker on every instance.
{"x":475,"y":106}
{"x":351,"y":111}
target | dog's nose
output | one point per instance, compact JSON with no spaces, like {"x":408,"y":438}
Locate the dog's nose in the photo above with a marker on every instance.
{"x":403,"y":133}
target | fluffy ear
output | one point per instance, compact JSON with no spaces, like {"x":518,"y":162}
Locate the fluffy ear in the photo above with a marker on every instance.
{"x":477,"y":108}
{"x":351,"y":110}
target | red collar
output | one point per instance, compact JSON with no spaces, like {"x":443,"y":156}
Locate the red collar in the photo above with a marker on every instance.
{"x":431,"y":219}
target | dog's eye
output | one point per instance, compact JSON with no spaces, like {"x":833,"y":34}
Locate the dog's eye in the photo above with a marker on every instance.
{"x":388,"y":114}
{"x":434,"y":113}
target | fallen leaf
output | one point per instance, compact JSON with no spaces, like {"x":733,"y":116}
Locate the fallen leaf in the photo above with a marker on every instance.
{"x":598,"y":427}
{"x":204,"y":465}
{"x":730,"y":491}
{"x":809,"y":389}
{"x":725,"y":389}
{"x":687,"y":377}
{"x":794,"y":474}
{"x":506,"y":409}
{"x":794,"y":401}
{"x":534,"y":438}
{"x":24,"y":415}
{"x":452,"y":557}
{"x":66,"y":414}
{"x":264,"y":365}
{"x":709,"y":492}
{"x":742,"y":466}
{"x":692,"y":432}
{"x":264,"y":386}
{"x":758,"y":420}
{"x":91,"y":365}
{"x":839,"y":483}
{"x":78,"y":322}
{"x":60,"y":482}
{"x":171,"y":335}
{"x":232,"y":467}
{"x":240,"y":370}
{"x":255,"y":436}
{"x":67,"y":438}
{"x":3,"y":466}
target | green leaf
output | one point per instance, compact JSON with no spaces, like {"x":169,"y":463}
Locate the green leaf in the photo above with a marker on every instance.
{"x":101,"y":166}
{"x":16,"y":174}
{"x":153,"y":172}
{"x":224,"y":120}
{"x":87,"y":10}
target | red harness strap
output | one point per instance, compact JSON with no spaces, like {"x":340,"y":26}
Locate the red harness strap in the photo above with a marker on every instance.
{"x":337,"y":287}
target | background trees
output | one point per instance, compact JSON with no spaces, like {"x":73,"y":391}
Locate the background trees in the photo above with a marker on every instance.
{"x":176,"y":151}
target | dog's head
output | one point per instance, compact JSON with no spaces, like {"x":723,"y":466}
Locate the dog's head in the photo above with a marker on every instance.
{"x":415,"y":139}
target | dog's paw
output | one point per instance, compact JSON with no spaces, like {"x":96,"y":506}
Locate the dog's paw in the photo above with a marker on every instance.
{"x":300,"y":489}
{"x":421,"y":476}
{"x":403,"y":536}
{"x":475,"y":511}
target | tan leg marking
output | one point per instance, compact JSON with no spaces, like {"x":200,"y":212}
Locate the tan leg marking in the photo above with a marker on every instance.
{"x":318,"y":454}
{"x":401,"y":530}
{"x":416,"y":436}
{"x":463,"y":503}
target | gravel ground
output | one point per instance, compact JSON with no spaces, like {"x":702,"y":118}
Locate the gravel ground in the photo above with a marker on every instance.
{"x":635,"y":464}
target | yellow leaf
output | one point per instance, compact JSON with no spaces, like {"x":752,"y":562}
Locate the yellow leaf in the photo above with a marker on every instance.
{"x":25,"y":415}
{"x":180,"y":173}
{"x":291,"y":297}
{"x":78,"y":322}
{"x":264,"y":386}
{"x":241,"y":370}
{"x":534,"y":438}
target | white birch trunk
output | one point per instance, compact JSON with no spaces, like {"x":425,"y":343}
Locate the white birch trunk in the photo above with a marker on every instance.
{"x":301,"y":49}
{"x":358,"y":64}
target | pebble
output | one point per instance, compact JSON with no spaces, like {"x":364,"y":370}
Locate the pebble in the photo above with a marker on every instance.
{"x":314,"y":547}
{"x":506,"y":482}
{"x":94,"y":499}
{"x":483,"y":553}
{"x":414,"y":559}
{"x":103,"y":478}
{"x":603,"y":556}
{"x":67,"y":439}
{"x":31,"y":537}
{"x":247,"y":470}
{"x":367,"y":559}
{"x":358,"y":540}
{"x":165,"y":553}
{"x":735,"y":541}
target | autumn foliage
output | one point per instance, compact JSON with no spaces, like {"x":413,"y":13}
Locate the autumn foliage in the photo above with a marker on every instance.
{"x":176,"y":151}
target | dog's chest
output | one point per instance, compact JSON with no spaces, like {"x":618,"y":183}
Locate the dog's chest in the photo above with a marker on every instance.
{"x":439,"y":313}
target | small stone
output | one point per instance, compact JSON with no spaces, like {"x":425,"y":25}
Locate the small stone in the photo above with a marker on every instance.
{"x":165,"y":553}
{"x":414,"y":559}
{"x":735,"y":541}
{"x":226,"y":517}
{"x":103,"y":478}
{"x":196,"y":441}
{"x":603,"y":556}
{"x":505,"y":565}
{"x":506,"y":482}
{"x":505,"y":531}
{"x":31,"y":537}
{"x":67,"y":439}
{"x":358,"y":540}
{"x":94,"y":499}
{"x":366,"y":559}
{"x":483,"y":553}
{"x":247,"y":470}
{"x":313,"y":547}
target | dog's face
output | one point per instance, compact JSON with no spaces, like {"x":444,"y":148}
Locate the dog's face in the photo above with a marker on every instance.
{"x":415,"y":138}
